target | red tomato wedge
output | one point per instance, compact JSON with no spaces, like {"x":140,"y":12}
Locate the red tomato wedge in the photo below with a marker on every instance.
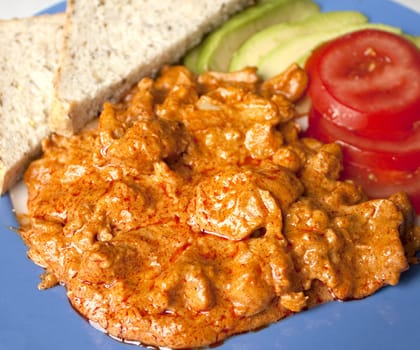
{"x":365,"y":93}
{"x":369,"y":82}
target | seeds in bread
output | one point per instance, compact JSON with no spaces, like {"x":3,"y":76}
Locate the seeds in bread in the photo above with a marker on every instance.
{"x":109,"y":45}
{"x":29,"y":53}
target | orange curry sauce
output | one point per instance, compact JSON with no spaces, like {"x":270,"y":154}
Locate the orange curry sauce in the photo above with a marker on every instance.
{"x":194,"y":211}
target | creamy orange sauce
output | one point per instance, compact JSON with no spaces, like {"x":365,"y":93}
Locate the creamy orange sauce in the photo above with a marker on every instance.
{"x":194,"y":211}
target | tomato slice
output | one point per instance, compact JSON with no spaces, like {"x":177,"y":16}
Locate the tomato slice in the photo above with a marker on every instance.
{"x":368,"y":82}
{"x":380,"y":183}
{"x":365,"y":92}
{"x":379,"y":173}
{"x":384,"y":154}
{"x":381,"y":168}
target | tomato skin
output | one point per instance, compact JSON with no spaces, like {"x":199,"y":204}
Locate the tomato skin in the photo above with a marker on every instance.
{"x":396,"y":155}
{"x":381,"y":102}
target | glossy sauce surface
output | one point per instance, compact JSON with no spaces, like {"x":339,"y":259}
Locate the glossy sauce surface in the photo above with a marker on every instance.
{"x":195,"y":212}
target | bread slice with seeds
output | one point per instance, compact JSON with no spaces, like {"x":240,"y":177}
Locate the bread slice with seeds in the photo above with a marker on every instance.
{"x":29,"y":54}
{"x":111,"y":44}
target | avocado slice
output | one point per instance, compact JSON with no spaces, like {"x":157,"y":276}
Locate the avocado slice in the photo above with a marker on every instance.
{"x":415,"y":39}
{"x":190,"y":58}
{"x":261,"y":43}
{"x":297,"y":49}
{"x":219,"y":45}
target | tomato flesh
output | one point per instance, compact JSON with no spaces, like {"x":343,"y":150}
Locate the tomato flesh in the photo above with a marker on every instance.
{"x":379,"y":172}
{"x":397,"y":155}
{"x":368,"y":81}
{"x":365,"y":92}
{"x":379,"y":183}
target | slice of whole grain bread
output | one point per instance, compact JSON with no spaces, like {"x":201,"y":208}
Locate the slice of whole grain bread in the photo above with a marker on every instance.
{"x":29,"y":53}
{"x":109,"y":45}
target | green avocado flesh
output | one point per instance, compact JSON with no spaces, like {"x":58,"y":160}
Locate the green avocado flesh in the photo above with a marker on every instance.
{"x":298,"y":48}
{"x":414,"y":39}
{"x":261,"y":43}
{"x":190,"y":58}
{"x":273,"y":34}
{"x":217,"y":49}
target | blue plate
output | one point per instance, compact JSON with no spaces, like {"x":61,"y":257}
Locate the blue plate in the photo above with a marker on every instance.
{"x":44,"y":320}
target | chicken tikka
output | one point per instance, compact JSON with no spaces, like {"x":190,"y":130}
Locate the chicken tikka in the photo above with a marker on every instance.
{"x":195,"y":211}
